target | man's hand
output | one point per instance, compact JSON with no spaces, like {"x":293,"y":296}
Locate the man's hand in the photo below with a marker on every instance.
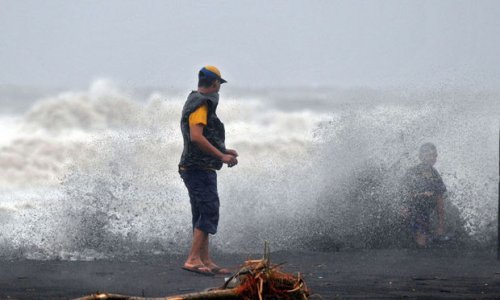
{"x":232,"y":152}
{"x":230,"y":160}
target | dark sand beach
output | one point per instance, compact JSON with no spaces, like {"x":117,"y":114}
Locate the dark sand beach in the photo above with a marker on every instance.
{"x":369,"y":274}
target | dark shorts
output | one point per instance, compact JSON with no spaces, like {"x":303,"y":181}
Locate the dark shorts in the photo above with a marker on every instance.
{"x":202,"y":188}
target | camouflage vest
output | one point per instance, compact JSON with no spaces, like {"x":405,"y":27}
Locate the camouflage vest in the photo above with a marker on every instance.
{"x":192,"y":156}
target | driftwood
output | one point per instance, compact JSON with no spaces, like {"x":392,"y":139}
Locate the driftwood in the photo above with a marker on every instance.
{"x":214,"y":294}
{"x":257,"y":279}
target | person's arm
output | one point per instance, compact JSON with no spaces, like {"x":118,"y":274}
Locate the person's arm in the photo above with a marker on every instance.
{"x":440,"y":214}
{"x":197,"y":137}
{"x":440,"y":192}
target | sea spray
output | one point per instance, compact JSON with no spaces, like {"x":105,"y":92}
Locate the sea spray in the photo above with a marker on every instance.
{"x":93,"y":174}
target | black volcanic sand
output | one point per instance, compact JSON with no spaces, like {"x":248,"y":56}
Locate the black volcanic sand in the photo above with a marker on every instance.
{"x":389,"y":273}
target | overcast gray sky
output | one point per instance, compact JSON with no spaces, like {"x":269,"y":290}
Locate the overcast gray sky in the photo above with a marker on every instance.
{"x":254,"y":43}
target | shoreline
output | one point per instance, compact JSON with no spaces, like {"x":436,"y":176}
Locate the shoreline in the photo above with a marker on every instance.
{"x":384,"y":273}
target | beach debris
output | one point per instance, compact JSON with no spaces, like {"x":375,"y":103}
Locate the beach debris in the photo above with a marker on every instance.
{"x":257,"y":279}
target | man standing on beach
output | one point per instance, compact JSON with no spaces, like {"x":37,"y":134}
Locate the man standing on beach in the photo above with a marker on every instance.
{"x":204,"y":153}
{"x":423,"y":191}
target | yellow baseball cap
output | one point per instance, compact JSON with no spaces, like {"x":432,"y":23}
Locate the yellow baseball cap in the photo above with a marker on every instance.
{"x":211,"y":72}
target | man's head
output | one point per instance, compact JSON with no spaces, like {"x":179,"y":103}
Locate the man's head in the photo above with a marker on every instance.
{"x":428,"y":154}
{"x":209,"y":79}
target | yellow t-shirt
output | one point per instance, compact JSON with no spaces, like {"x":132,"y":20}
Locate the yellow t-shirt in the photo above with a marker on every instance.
{"x":199,"y":116}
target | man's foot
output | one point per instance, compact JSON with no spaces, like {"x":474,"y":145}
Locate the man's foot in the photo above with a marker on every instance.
{"x":198,"y":269}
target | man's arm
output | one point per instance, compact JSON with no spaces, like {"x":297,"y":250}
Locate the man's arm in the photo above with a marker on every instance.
{"x":440,"y":191}
{"x":197,"y":137}
{"x":440,"y":213}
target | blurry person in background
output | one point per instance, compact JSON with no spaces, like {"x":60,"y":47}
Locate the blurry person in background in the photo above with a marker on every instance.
{"x":423,"y":193}
{"x":204,"y":153}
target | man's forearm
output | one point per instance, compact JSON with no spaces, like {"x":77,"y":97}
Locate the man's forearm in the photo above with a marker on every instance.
{"x":207,"y":147}
{"x":440,"y":211}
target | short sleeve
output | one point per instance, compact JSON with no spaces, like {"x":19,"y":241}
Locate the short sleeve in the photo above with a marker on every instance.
{"x":199,"y":116}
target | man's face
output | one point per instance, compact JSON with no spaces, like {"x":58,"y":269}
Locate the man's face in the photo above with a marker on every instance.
{"x":217,"y":85}
{"x":214,"y":88}
{"x":429,"y":157}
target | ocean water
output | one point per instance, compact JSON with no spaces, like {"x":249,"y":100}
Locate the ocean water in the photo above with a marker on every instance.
{"x":92,"y":173}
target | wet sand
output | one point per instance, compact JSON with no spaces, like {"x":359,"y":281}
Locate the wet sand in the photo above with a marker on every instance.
{"x":369,"y":274}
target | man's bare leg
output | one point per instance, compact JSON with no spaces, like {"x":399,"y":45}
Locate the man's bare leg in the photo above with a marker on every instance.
{"x":200,"y":239}
{"x":207,"y":260}
{"x":205,"y":255}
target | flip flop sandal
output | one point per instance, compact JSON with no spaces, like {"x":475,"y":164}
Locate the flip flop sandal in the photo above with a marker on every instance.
{"x":199,"y":269}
